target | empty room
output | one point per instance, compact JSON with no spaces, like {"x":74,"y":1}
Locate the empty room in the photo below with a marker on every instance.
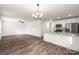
{"x":39,"y":29}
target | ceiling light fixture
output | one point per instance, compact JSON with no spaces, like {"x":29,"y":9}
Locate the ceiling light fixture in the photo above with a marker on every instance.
{"x":21,"y":21}
{"x":37,"y":15}
{"x":69,"y":15}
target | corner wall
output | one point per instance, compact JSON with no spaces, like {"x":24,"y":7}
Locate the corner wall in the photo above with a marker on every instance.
{"x":11,"y":26}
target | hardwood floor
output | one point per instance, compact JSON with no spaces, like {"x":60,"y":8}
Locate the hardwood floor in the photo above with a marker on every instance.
{"x":31,"y":45}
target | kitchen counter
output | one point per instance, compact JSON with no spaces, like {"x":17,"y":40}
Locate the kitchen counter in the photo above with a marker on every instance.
{"x":67,"y":40}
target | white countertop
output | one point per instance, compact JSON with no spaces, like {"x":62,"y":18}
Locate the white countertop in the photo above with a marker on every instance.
{"x":67,"y":40}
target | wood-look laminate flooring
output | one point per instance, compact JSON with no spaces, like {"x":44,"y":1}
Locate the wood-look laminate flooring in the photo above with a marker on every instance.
{"x":31,"y":45}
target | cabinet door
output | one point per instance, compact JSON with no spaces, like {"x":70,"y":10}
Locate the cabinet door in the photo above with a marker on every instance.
{"x":68,"y":26}
{"x":74,"y":28}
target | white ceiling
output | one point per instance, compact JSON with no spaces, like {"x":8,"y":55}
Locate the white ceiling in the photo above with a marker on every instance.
{"x":50,"y":11}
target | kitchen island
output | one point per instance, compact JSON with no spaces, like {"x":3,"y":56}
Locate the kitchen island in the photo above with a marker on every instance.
{"x":67,"y":40}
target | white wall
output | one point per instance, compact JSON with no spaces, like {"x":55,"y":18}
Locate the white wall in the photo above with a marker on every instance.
{"x":45,"y":26}
{"x":0,"y":28}
{"x":11,"y":26}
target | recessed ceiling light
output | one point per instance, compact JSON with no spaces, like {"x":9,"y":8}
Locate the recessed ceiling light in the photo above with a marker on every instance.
{"x":58,"y":17}
{"x":69,"y":15}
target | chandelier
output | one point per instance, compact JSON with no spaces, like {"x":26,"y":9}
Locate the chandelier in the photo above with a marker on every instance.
{"x":37,"y":15}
